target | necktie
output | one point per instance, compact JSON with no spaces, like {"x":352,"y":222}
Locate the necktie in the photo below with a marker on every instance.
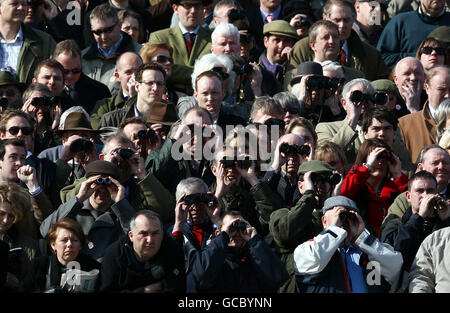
{"x":189,"y":39}
{"x":269,"y":18}
{"x":343,"y":58}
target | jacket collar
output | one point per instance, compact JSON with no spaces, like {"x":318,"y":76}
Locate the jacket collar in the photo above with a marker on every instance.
{"x":125,"y":45}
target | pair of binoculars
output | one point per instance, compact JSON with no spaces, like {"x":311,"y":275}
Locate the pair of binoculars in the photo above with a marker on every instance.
{"x":245,"y":163}
{"x":103,"y":181}
{"x":288,"y":149}
{"x":331,"y":178}
{"x":238,"y":226}
{"x":198,"y":198}
{"x":378,"y":98}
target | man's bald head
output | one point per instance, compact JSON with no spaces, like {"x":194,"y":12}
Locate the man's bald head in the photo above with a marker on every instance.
{"x":409,"y":70}
{"x":126,"y":65}
{"x":130,"y":58}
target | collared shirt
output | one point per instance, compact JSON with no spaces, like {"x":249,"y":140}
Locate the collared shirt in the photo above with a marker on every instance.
{"x":136,"y":111}
{"x":274,"y":14}
{"x":184,"y":30}
{"x":433,"y":111}
{"x":276,"y":69}
{"x":112,"y":50}
{"x":9,"y":51}
{"x":355,"y":278}
{"x":345,"y":48}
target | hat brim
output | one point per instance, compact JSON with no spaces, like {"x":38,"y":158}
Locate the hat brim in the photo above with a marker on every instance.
{"x":275,"y":33}
{"x":22,"y":87}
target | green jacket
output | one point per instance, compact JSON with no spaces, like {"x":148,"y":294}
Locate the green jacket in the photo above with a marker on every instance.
{"x":145,"y":194}
{"x":290,"y":228}
{"x":362,"y":57}
{"x":36,"y":47}
{"x":105,"y":106}
{"x":183,"y":63}
{"x":114,"y":118}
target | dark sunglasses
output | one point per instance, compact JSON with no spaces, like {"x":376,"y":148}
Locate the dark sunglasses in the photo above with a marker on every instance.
{"x":73,"y":71}
{"x":429,"y":50}
{"x":221,"y":71}
{"x":106,"y":30}
{"x":162,"y":59}
{"x":25,"y":130}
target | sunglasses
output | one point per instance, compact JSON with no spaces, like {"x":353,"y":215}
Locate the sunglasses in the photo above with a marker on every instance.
{"x":73,"y":71}
{"x":429,"y":50}
{"x":25,"y":130}
{"x":221,"y":71}
{"x":162,"y":59}
{"x":106,"y":30}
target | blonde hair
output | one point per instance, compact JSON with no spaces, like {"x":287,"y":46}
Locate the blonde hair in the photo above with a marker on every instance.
{"x":17,"y":197}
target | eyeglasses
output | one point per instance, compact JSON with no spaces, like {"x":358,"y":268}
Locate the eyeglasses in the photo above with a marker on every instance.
{"x":25,"y":130}
{"x":429,"y":50}
{"x":221,"y":71}
{"x":73,"y":71}
{"x":188,"y":5}
{"x":162,"y":59}
{"x":106,"y":30}
{"x":151,"y":83}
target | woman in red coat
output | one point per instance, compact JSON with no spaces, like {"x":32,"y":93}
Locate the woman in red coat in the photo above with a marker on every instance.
{"x":374,"y":182}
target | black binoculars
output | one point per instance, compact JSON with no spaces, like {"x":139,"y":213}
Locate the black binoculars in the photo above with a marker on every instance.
{"x":385,"y":155}
{"x":198,"y":198}
{"x":288,"y":149}
{"x":125,"y":153}
{"x":146,"y":134}
{"x":323,"y":82}
{"x":45,"y":101}
{"x":82,"y":144}
{"x":378,"y":98}
{"x":234,"y":15}
{"x":238,"y":226}
{"x":245,"y":163}
{"x":346,"y":215}
{"x":331,"y":178}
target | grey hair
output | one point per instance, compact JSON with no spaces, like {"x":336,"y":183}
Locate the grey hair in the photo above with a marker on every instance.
{"x":443,"y":112}
{"x":207,"y":62}
{"x":287,"y":99}
{"x":421,"y":157}
{"x":333,"y":67}
{"x":151,"y":215}
{"x":226,"y":30}
{"x":363,"y":83}
{"x":189,"y":185}
{"x":227,"y":3}
{"x":121,"y":139}
{"x":77,"y":108}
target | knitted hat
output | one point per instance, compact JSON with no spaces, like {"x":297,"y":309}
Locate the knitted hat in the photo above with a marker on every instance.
{"x":101,"y":167}
{"x":345,"y":202}
{"x":315,"y":166}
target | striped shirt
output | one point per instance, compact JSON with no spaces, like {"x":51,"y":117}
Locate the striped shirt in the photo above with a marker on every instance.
{"x":9,"y":51}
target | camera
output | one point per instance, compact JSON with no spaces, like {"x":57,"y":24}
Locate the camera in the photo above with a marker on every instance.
{"x":146,"y":134}
{"x":238,"y":226}
{"x":331,"y":178}
{"x":82,"y":144}
{"x":245,"y":163}
{"x":246,"y":68}
{"x":4,"y":103}
{"x":234,"y":15}
{"x":125,"y":153}
{"x":103,"y":181}
{"x":303,"y":22}
{"x":198,"y":198}
{"x":287,"y":149}
{"x":39,"y":102}
{"x":385,"y":155}
{"x":379,"y":98}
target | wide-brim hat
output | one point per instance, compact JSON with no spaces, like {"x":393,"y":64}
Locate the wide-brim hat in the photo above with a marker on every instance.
{"x":442,"y":33}
{"x":162,"y":113}
{"x":77,"y":121}
{"x":7,"y":78}
{"x":292,"y":8}
{"x":342,"y":201}
{"x":307,"y":68}
{"x":280,"y":28}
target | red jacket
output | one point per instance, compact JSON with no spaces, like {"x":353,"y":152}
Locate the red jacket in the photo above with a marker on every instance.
{"x":373,"y":207}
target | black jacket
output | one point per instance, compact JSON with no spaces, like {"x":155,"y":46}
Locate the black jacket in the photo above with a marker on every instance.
{"x":88,"y":91}
{"x":36,"y":279}
{"x":219,"y":268}
{"x":407,"y":233}
{"x":121,"y":272}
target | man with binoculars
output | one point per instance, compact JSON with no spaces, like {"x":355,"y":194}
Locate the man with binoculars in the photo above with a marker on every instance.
{"x":291,"y":227}
{"x":100,"y":207}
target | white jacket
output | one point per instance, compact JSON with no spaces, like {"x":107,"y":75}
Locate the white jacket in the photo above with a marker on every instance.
{"x":430,"y":271}
{"x":311,"y":257}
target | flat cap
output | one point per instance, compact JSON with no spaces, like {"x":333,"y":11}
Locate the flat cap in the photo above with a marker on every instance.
{"x":384,"y":85}
{"x":101,"y":167}
{"x":315,"y":166}
{"x":280,"y":28}
{"x":342,"y":201}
